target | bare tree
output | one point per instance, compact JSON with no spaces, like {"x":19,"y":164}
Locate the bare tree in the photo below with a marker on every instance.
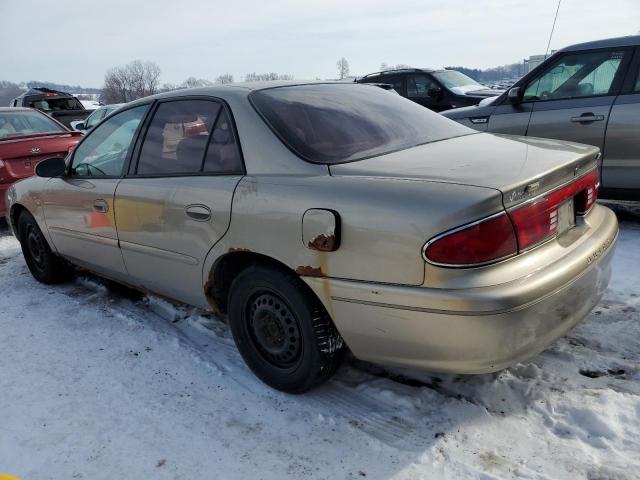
{"x":193,"y":82}
{"x":343,"y":68}
{"x":256,"y":77}
{"x":135,"y":80}
{"x":225,"y":78}
{"x":383,"y":66}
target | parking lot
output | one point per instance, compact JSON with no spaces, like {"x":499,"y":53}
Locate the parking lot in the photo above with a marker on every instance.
{"x":101,"y":382}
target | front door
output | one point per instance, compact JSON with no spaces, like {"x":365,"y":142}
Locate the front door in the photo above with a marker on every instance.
{"x":79,"y":209}
{"x":175,"y":204}
{"x":572,"y":99}
{"x":423,"y":89}
{"x":621,"y":162}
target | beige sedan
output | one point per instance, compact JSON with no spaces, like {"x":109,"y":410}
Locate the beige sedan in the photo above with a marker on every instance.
{"x":320,"y":217}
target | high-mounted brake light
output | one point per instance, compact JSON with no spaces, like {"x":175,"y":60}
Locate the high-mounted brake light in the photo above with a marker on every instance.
{"x":507,"y":233}
{"x":479,"y":243}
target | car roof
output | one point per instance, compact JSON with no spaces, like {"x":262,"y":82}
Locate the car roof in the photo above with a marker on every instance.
{"x":16,"y":109}
{"x":243,"y":88}
{"x":628,"y":41}
{"x":405,"y":70}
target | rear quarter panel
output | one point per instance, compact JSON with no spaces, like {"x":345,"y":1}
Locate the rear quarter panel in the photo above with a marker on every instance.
{"x":384,"y":223}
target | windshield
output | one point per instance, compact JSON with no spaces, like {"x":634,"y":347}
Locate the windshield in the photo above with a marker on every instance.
{"x":334,"y":123}
{"x":24,"y":123}
{"x":453,"y":78}
{"x":56,"y":104}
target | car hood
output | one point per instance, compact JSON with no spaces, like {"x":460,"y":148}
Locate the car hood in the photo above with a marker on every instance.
{"x":476,"y":91}
{"x":502,"y":162}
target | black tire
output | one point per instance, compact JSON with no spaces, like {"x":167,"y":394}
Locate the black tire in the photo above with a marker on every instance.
{"x":43,"y":264}
{"x":282,"y":330}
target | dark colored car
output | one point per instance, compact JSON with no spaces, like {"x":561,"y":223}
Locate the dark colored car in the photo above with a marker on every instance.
{"x":437,"y":90}
{"x":587,"y":93}
{"x":62,"y":106}
{"x":26,"y":137}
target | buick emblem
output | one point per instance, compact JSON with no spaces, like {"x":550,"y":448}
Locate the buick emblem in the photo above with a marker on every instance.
{"x":35,"y":150}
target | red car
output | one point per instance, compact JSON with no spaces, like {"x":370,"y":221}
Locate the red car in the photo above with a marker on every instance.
{"x":26,"y":137}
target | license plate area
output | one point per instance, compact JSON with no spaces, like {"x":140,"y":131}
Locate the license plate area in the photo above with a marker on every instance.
{"x":566,"y":216}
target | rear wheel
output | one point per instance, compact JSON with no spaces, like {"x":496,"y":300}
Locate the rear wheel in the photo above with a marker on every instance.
{"x":43,"y":264}
{"x":282,"y":331}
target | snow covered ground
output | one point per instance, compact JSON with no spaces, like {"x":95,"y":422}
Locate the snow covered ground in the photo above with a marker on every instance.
{"x":97,"y":383}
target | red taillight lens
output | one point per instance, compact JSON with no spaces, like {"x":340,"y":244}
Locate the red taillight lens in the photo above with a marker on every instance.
{"x":537,"y":220}
{"x":476,"y":244}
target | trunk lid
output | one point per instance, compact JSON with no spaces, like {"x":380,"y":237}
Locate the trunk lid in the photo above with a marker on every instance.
{"x":21,"y":153}
{"x":519,"y":167}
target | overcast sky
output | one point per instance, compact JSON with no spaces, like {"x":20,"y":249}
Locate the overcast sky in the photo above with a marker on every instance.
{"x":74,"y":42}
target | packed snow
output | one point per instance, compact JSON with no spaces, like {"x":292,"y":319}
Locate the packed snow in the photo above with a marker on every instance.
{"x":98,"y":382}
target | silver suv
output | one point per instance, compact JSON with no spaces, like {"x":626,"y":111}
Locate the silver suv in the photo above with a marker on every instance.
{"x":588,"y":93}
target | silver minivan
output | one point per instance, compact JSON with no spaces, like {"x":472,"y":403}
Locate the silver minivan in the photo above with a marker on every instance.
{"x":587,"y":93}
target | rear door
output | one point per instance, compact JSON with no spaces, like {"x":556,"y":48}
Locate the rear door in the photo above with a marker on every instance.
{"x":621,"y":155}
{"x":78,"y":207}
{"x":175,"y":204}
{"x":572,"y":98}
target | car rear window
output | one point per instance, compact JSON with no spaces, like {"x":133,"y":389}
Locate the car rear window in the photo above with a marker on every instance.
{"x":335,"y":123}
{"x":24,"y":123}
{"x":56,"y":104}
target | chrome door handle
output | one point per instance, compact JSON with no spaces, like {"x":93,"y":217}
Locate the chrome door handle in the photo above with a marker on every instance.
{"x":101,"y":206}
{"x":587,"y":117}
{"x":201,"y":213}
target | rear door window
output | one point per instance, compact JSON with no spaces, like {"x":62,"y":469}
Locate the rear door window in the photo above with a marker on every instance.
{"x":187,"y":137}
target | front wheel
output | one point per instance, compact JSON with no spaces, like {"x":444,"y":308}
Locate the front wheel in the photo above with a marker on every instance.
{"x":43,"y":264}
{"x":282,"y":331}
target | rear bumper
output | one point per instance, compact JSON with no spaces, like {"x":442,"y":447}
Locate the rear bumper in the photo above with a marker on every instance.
{"x":478,"y":329}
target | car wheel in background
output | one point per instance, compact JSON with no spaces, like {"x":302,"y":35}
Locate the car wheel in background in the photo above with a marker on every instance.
{"x":282,"y":331}
{"x":44,"y":265}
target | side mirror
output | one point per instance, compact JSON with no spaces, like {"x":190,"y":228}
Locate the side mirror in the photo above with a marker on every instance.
{"x":79,"y":126}
{"x":515,"y":96}
{"x":51,"y":167}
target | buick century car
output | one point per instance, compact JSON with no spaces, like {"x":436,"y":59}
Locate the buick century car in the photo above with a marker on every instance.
{"x":325,"y":216}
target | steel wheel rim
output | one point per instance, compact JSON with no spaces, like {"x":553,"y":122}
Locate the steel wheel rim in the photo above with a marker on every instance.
{"x":274,"y":330}
{"x":36,"y":248}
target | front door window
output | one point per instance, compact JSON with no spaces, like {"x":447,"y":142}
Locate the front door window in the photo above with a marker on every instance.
{"x":105,"y":149}
{"x":576,"y":75}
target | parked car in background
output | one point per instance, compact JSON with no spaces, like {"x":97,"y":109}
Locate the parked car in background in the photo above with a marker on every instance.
{"x":437,"y":90}
{"x":313,"y":221}
{"x":62,"y":106}
{"x":96,"y":117}
{"x":26,"y":137}
{"x":588,"y":93}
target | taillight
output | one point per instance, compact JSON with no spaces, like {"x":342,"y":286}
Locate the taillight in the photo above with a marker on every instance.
{"x":508,"y":233}
{"x":537,"y":220}
{"x":479,"y":243}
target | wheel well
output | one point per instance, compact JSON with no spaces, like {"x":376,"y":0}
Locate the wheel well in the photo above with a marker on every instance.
{"x":227,"y":268}
{"x":16,"y":210}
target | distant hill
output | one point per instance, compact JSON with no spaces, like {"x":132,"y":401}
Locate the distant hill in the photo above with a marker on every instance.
{"x":488,"y":75}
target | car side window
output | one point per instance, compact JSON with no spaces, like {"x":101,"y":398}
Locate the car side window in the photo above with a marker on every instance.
{"x":223,"y":154}
{"x":394,"y":80}
{"x":576,"y":75}
{"x":420,"y":86}
{"x":636,"y":89}
{"x":94,"y":119}
{"x":105,"y":149}
{"x":177,"y":137}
